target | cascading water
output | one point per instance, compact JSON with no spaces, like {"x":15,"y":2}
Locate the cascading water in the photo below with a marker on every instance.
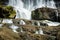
{"x":7,"y":21}
{"x":57,"y":14}
{"x":38,"y":23}
{"x":51,"y":4}
{"x":41,"y":31}
{"x":14,"y":28}
{"x":21,"y":12}
{"x":24,"y":7}
{"x":22,"y":22}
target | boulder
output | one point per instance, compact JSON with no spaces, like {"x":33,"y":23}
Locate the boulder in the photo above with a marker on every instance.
{"x":45,"y":13}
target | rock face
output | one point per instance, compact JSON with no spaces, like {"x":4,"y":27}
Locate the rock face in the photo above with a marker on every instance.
{"x":45,"y":13}
{"x":53,"y":31}
{"x":6,"y":33}
{"x":28,"y":32}
{"x":7,"y":12}
{"x":58,"y":35}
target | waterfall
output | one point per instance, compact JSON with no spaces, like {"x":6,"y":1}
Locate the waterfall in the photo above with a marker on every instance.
{"x":21,"y":12}
{"x":24,"y":7}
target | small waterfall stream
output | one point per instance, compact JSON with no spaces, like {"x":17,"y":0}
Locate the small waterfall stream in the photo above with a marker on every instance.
{"x":57,"y":15}
{"x":41,"y":31}
{"x":13,"y":27}
{"x":22,"y":22}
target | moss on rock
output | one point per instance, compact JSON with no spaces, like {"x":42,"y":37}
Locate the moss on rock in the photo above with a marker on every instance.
{"x":7,"y":12}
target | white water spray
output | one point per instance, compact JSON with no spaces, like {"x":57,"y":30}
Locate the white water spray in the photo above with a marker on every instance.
{"x":51,"y":4}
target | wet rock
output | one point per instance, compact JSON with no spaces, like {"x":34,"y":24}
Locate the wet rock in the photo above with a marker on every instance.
{"x":29,"y":28}
{"x":53,"y":31}
{"x":45,"y":13}
{"x":58,"y":35}
{"x":8,"y":34}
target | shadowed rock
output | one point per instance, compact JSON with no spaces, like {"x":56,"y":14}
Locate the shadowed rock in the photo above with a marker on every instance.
{"x":45,"y":13}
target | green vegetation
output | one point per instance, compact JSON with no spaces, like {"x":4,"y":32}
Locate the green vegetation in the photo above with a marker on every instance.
{"x":7,"y":12}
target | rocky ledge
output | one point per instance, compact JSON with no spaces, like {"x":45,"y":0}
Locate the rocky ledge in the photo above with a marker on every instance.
{"x":28,"y":32}
{"x":15,"y":29}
